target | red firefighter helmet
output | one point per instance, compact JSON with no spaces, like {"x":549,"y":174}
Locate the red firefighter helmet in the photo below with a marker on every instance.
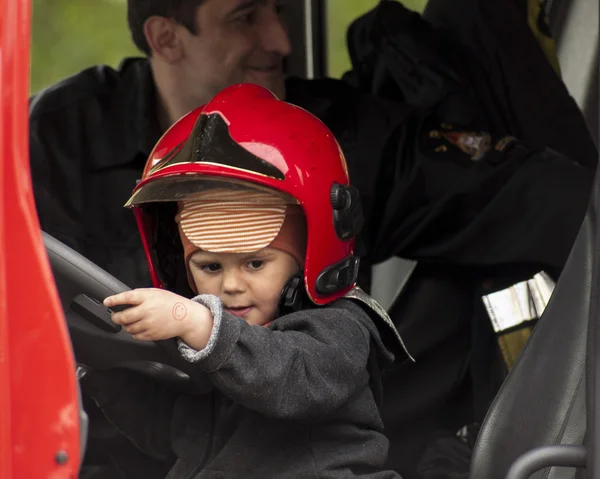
{"x":245,"y":136}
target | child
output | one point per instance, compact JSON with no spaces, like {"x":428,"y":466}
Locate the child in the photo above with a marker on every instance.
{"x":246,"y":203}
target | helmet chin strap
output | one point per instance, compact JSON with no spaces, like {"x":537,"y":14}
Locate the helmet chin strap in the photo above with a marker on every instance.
{"x":293,"y":296}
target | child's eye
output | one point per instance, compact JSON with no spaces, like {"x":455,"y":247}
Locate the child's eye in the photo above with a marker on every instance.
{"x":255,"y":264}
{"x":210,"y":268}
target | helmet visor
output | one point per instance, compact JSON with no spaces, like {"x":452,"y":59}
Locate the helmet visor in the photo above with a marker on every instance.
{"x":182,"y":188}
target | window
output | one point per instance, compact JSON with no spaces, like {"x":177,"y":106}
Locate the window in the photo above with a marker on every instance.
{"x":70,"y":35}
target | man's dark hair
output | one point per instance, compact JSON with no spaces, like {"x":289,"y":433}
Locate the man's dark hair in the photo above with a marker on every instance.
{"x":138,"y":11}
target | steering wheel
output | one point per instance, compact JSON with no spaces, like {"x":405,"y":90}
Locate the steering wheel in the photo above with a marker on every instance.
{"x":97,"y":341}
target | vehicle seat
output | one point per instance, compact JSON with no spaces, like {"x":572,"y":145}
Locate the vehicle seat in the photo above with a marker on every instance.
{"x":543,"y":401}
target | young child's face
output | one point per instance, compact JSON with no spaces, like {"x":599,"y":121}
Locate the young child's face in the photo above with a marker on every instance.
{"x":248,"y":284}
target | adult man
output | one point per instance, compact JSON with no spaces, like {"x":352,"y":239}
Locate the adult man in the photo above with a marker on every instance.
{"x":428,"y":192}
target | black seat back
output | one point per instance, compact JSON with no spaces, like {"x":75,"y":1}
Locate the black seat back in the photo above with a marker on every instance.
{"x":542,"y":402}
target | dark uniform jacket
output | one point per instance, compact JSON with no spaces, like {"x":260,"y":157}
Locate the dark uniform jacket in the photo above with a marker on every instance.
{"x":481,"y":68}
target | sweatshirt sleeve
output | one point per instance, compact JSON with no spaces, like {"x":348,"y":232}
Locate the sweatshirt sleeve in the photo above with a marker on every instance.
{"x":303,"y":366}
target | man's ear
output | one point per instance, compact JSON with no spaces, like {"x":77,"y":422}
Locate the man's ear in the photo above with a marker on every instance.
{"x":162,"y":35}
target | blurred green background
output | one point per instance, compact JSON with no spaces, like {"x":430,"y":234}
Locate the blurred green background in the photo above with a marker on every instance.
{"x":70,"y":35}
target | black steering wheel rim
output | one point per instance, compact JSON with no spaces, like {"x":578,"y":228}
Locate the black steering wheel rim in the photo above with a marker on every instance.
{"x":100,"y":344}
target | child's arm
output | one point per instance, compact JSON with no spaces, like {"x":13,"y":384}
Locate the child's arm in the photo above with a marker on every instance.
{"x":139,"y":407}
{"x":306,"y":367}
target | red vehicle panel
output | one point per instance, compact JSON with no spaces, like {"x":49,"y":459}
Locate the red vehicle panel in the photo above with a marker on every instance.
{"x":39,"y":423}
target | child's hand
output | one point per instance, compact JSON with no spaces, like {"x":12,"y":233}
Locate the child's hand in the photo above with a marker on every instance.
{"x":159,"y":314}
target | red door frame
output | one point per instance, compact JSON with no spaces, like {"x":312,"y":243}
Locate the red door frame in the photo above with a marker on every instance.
{"x":39,"y":423}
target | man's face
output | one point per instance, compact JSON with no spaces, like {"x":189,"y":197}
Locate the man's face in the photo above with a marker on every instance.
{"x":237,"y":41}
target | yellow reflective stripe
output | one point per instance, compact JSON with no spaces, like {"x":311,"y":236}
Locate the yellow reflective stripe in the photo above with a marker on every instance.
{"x":512,"y":343}
{"x":513,"y":310}
{"x":519,"y":303}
